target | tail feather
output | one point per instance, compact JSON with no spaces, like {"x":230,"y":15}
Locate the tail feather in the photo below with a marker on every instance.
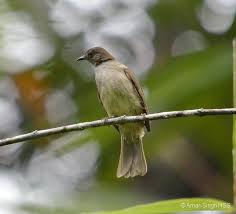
{"x":132,"y":159}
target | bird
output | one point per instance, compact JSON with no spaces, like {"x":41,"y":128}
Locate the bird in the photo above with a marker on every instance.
{"x":121,"y":94}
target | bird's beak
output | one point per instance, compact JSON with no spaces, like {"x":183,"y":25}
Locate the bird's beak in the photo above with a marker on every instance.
{"x":82,"y":58}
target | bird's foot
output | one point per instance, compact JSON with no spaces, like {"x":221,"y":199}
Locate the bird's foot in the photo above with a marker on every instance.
{"x":107,"y":118}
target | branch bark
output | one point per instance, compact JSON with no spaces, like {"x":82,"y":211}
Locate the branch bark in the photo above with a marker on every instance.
{"x":116,"y":120}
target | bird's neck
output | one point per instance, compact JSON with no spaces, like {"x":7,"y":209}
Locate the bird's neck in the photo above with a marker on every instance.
{"x":100,"y":62}
{"x":109,"y":66}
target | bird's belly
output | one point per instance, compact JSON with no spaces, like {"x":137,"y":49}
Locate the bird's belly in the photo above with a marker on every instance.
{"x":119,"y":102}
{"x":119,"y":97}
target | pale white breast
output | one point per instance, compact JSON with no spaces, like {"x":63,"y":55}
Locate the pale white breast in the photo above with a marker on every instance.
{"x":116,"y":91}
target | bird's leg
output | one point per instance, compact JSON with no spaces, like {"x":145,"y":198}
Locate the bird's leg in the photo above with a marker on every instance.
{"x":109,"y":117}
{"x":144,"y":114}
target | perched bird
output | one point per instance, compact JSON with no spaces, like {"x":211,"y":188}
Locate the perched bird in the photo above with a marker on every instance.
{"x":120,"y":94}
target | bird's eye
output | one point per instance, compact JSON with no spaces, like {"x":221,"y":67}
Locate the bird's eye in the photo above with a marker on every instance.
{"x":90,"y":55}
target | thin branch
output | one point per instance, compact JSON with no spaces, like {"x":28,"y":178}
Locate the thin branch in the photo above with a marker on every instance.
{"x":116,"y":120}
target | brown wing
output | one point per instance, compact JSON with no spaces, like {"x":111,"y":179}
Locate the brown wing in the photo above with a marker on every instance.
{"x":138,"y":89}
{"x":116,"y":126}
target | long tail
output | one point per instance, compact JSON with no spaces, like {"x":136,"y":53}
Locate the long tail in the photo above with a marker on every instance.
{"x":132,"y":159}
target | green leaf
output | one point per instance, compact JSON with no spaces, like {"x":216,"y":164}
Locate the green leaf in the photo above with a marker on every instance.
{"x":234,"y":117}
{"x":176,"y":205}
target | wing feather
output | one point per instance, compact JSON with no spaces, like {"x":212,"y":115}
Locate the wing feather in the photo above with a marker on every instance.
{"x":130,"y":75}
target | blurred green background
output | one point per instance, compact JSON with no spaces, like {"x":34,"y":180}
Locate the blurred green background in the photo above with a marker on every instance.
{"x":180,"y":50}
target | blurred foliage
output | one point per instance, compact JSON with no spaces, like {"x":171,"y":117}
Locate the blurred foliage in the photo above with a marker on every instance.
{"x":178,"y":205}
{"x":168,"y":206}
{"x":234,"y":122}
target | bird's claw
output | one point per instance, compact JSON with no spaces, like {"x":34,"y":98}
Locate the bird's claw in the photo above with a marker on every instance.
{"x":107,"y":118}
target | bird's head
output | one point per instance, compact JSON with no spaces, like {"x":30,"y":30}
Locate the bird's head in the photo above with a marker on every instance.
{"x":96,"y":56}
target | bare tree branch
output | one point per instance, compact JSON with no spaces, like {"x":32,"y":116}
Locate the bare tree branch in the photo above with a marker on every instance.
{"x":116,"y":120}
